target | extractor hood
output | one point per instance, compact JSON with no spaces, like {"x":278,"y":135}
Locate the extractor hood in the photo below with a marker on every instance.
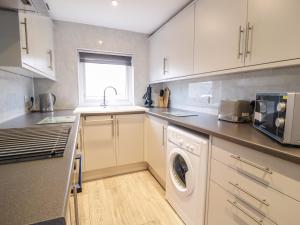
{"x":38,"y":6}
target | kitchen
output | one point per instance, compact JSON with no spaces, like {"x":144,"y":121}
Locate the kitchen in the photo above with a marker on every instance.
{"x":149,"y":112}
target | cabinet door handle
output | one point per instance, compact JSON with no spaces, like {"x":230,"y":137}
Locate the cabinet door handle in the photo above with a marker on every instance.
{"x":264,"y":169}
{"x":26,"y":36}
{"x":165,"y":65}
{"x":263,"y":201}
{"x":163,"y":135}
{"x":249,"y":33}
{"x":51,"y":59}
{"x":240,"y":52}
{"x":118,"y":128}
{"x":258,"y":221}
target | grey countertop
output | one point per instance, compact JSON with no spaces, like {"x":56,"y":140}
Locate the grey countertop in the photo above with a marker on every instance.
{"x":243,"y":134}
{"x":36,"y":191}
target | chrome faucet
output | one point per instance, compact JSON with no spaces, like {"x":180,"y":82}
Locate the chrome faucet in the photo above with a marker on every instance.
{"x":104,"y":95}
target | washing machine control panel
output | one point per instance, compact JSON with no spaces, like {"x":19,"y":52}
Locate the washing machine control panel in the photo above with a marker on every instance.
{"x":184,"y":141}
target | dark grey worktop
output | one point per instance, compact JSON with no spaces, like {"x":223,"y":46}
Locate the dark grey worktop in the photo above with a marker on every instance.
{"x":36,"y":191}
{"x":243,"y":134}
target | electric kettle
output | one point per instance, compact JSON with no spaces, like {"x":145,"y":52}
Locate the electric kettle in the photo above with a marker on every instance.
{"x":47,"y":102}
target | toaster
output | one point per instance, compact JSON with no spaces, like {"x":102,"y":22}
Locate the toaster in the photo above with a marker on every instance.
{"x":238,"y":111}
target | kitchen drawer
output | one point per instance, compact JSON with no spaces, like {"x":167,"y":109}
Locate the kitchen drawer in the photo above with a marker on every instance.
{"x":225,"y":209}
{"x":279,"y":174}
{"x":278,"y":207}
{"x":95,"y":120}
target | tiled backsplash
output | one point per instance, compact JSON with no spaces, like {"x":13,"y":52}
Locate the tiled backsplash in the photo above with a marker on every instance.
{"x":204,"y":94}
{"x":13,"y":89}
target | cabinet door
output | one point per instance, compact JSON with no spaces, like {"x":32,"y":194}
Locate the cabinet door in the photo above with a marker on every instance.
{"x":29,"y":40}
{"x":180,"y":44}
{"x":36,"y":36}
{"x":276,"y":33}
{"x":156,"y":146}
{"x":47,"y":51}
{"x":157,"y":54}
{"x":130,"y":138}
{"x":224,"y":208}
{"x":219,"y":34}
{"x":99,"y":147}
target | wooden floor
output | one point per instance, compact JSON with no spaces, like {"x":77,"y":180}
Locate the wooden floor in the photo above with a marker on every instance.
{"x":131,"y":199}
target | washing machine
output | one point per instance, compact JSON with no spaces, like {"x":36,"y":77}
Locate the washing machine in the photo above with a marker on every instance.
{"x":187,"y":162}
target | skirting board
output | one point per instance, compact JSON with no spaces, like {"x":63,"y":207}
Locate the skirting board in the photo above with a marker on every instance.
{"x":157,"y":177}
{"x":114,"y":171}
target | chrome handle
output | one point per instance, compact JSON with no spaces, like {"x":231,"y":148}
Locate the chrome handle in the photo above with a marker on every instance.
{"x":26,"y":36}
{"x":263,"y":201}
{"x":240,"y":52}
{"x":51,"y":60}
{"x":163,"y":136}
{"x":118,"y":128}
{"x":264,"y":169}
{"x":258,"y":221}
{"x":112,"y":127}
{"x":249,"y":31}
{"x":165,"y":65}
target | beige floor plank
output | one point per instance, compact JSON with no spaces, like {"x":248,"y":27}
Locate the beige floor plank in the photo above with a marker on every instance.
{"x":131,"y":199}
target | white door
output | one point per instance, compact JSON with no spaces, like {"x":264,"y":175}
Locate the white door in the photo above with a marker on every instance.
{"x":130,"y":138}
{"x":156,"y":146}
{"x":219,"y":34}
{"x":180,"y":44}
{"x":275,"y":32}
{"x":99,"y":142}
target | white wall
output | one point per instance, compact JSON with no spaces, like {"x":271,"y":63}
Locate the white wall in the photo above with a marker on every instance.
{"x":13,"y":89}
{"x":68,"y":37}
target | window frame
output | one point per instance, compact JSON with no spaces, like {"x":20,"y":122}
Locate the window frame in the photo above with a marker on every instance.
{"x":83,"y":101}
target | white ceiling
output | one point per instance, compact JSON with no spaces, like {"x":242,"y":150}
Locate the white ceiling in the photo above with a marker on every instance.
{"x":142,"y":16}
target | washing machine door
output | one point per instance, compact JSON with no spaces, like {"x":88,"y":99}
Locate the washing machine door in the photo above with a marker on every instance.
{"x":181,"y":172}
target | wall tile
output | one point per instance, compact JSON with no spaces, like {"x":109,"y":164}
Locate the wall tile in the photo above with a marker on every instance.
{"x":13,"y":89}
{"x":186,"y":94}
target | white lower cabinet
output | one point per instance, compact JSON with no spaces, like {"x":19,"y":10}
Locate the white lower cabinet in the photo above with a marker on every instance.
{"x":111,"y":141}
{"x":156,"y":144}
{"x":99,"y":142}
{"x":225,"y":209}
{"x":130,"y":139}
{"x":250,"y":187}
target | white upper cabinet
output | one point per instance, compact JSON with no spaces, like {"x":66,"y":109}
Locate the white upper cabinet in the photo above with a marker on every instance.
{"x":180,"y":44}
{"x":274,"y":31}
{"x":219,"y":34}
{"x":172,"y":47}
{"x":27,"y":44}
{"x":156,"y":56}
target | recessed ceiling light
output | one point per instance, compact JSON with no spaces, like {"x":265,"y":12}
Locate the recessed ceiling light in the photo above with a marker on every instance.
{"x":100,"y":42}
{"x":114,"y":3}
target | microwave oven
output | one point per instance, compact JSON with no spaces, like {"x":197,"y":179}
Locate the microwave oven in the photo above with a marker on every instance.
{"x":278,"y":115}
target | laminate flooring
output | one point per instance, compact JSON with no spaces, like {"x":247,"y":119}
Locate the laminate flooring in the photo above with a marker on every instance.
{"x":130,"y":199}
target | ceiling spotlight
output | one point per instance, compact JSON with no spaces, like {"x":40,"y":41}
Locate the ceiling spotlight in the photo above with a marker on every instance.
{"x":114,"y":3}
{"x":100,"y":42}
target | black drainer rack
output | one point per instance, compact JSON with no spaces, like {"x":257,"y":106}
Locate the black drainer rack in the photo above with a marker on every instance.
{"x":31,"y":143}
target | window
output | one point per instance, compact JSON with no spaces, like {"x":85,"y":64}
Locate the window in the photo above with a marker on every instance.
{"x":98,"y":71}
